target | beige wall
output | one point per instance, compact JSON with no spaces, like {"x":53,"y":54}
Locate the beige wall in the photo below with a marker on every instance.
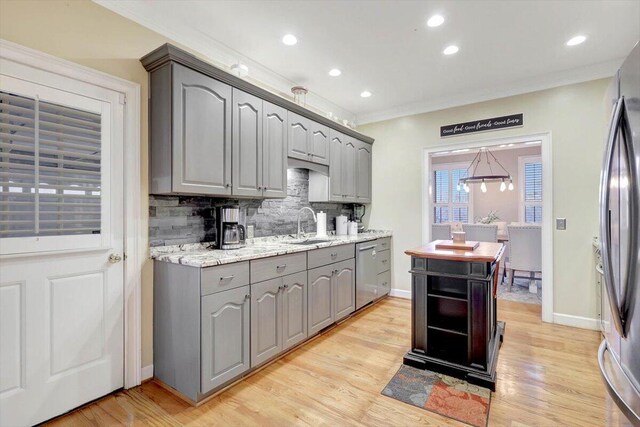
{"x":505,"y":203}
{"x":575,"y":117}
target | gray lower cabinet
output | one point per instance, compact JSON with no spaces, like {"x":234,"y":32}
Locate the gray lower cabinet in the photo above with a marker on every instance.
{"x":344,"y":284}
{"x":278,"y":316}
{"x":363,"y":178}
{"x":331,"y":294}
{"x":320,"y":298}
{"x":190,"y":144}
{"x":225,"y":337}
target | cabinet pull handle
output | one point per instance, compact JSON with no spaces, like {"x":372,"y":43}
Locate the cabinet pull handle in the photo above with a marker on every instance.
{"x":286,"y":286}
{"x":333,"y":255}
{"x":281,"y":267}
{"x":384,"y":261}
{"x":223,"y":278}
{"x":280,"y":287}
{"x":247,"y":296}
{"x":227,"y":185}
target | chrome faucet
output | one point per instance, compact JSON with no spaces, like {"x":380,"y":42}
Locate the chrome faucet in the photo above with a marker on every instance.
{"x":299,"y":212}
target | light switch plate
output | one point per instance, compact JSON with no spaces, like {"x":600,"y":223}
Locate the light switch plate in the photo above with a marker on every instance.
{"x":249,"y":231}
{"x":561,"y":223}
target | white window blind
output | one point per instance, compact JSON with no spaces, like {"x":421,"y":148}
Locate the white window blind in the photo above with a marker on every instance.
{"x":49,"y":169}
{"x":532,"y":189}
{"x":450,"y":204}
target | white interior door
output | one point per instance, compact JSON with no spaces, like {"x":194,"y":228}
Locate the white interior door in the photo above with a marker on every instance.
{"x":61,"y":205}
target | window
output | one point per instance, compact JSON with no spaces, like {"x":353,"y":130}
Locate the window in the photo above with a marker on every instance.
{"x":450,"y":204}
{"x":50,"y":176}
{"x":530,"y":171}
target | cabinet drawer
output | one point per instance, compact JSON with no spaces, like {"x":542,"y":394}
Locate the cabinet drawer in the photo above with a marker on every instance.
{"x":270,"y":268}
{"x":383,"y":260}
{"x":325,"y":256}
{"x":223,"y":277}
{"x":384,"y":283}
{"x":384,"y":243}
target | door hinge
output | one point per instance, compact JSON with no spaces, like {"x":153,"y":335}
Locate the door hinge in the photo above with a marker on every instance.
{"x":123,"y":98}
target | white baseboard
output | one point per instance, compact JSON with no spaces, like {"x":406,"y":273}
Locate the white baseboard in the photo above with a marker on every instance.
{"x":147,"y":372}
{"x":400,"y":293}
{"x":576,"y":321}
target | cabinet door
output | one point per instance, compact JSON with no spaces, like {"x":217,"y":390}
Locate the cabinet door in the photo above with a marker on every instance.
{"x":294,"y":309}
{"x":336,"y":144}
{"x":266,"y":320}
{"x":201,"y":134}
{"x":320,"y":298}
{"x":344,"y":289}
{"x":224,"y":345}
{"x":299,"y":136}
{"x":363,"y":187}
{"x":349,"y":166}
{"x":247,"y":144}
{"x":319,"y":144}
{"x":274,"y":151}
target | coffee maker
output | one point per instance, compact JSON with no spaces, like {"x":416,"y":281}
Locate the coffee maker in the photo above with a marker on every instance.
{"x":230,"y":230}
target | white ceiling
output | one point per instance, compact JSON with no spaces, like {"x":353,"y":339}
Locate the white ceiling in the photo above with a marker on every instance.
{"x":506,"y":47}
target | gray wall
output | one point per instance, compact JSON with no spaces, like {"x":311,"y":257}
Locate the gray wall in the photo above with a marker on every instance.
{"x":175,"y":220}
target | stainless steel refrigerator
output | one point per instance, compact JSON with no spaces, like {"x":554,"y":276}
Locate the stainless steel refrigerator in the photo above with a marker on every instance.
{"x":619,"y":353}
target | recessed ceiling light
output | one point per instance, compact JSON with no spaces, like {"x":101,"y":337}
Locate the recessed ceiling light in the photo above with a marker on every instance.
{"x":435,"y":21}
{"x":576,"y":40}
{"x":289,"y":40}
{"x":334,"y":72}
{"x":450,"y":50}
{"x":365,"y":94}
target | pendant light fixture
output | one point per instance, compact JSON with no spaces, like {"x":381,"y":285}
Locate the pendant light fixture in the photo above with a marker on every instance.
{"x":491,"y":176}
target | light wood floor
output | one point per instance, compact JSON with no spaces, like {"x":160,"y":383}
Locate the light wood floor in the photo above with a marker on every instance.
{"x":547,"y":376}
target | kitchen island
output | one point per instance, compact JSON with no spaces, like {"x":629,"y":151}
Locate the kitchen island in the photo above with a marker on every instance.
{"x":454,"y":328}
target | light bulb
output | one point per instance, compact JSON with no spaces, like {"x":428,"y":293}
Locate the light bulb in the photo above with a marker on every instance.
{"x":511,"y":186}
{"x":503,"y":186}
{"x":466,"y":187}
{"x":458,"y":187}
{"x":483,"y":187}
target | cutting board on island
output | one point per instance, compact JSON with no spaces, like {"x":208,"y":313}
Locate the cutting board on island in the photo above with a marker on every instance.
{"x":450,"y":244}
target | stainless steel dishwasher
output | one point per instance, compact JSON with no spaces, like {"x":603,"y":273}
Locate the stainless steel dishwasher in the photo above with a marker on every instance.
{"x":366,"y":273}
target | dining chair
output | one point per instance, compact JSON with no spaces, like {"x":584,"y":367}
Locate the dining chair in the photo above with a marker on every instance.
{"x":525,"y":252}
{"x":480,"y":232}
{"x":440,"y":232}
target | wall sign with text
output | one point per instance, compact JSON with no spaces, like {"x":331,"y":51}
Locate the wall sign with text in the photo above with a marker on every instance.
{"x":483,"y":125}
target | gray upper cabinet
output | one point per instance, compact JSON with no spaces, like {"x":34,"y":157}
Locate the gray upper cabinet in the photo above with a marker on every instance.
{"x":190,"y":133}
{"x":247,"y":144}
{"x":363,"y":177}
{"x":348,"y":169}
{"x":336,"y":144}
{"x":294,"y":309}
{"x":266,"y":321}
{"x":320,"y":297}
{"x":225,"y":339}
{"x":319,"y":144}
{"x":344,"y":289}
{"x":274,"y":143}
{"x":299,"y":136}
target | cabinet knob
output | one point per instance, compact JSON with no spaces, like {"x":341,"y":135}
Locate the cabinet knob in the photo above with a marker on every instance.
{"x":227,"y":185}
{"x":333,"y":255}
{"x":286,"y":286}
{"x":247,"y":296}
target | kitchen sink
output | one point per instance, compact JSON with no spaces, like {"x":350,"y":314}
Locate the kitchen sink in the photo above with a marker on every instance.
{"x":309,"y":242}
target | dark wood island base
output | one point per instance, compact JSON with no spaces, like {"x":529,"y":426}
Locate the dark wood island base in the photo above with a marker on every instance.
{"x":454,"y":327}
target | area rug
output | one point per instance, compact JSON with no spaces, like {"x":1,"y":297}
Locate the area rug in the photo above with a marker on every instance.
{"x":441,"y":394}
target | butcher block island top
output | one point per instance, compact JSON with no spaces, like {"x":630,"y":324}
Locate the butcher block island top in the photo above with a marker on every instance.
{"x":484,"y":252}
{"x":454,"y":328}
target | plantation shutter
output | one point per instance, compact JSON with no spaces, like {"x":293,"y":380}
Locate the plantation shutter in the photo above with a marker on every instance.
{"x":50,"y":169}
{"x":533,"y":192}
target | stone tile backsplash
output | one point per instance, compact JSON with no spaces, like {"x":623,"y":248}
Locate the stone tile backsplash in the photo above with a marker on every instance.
{"x":175,"y":220}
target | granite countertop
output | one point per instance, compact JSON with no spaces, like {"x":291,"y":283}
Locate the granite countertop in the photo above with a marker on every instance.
{"x":203,"y":254}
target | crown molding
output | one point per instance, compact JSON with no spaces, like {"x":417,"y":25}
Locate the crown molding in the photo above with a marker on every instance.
{"x":535,"y":84}
{"x":222,"y":55}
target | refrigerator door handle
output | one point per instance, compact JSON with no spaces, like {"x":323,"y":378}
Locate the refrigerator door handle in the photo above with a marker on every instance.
{"x":605,"y":231}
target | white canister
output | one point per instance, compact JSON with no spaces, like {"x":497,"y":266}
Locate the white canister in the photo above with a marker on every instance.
{"x":321,"y":225}
{"x":353,"y":228}
{"x":341,"y":225}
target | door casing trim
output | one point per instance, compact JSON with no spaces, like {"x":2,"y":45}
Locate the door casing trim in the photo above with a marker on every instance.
{"x":135,"y":238}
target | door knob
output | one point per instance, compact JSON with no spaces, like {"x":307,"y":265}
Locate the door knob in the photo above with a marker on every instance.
{"x":115,"y":258}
